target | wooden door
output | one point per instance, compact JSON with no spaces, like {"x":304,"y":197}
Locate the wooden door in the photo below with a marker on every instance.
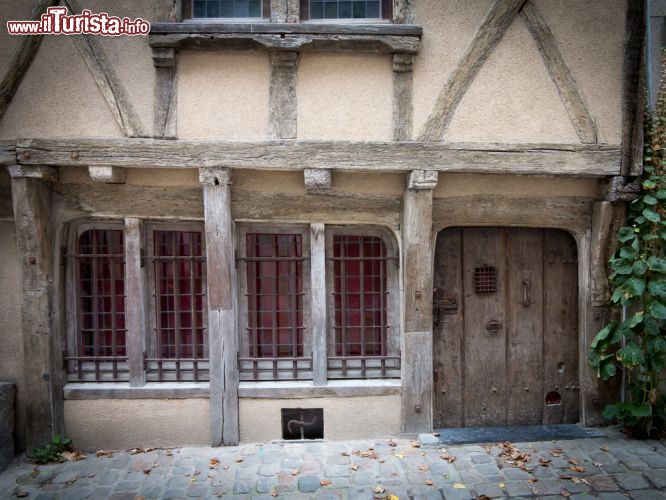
{"x":505,"y":345}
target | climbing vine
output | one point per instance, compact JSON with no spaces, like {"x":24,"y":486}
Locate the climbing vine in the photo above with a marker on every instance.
{"x":636,"y":347}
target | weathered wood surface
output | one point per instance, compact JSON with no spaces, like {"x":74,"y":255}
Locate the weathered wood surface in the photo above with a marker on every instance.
{"x":7,"y":153}
{"x":118,"y":200}
{"x":602,"y":220}
{"x":42,"y":398}
{"x":302,"y":42}
{"x":6,"y":210}
{"x":153,"y":390}
{"x":334,"y":389}
{"x":222,"y":335}
{"x":485,"y":40}
{"x":108,"y":82}
{"x":287,"y":28}
{"x":21,"y":59}
{"x":417,"y":339}
{"x":559,"y":72}
{"x":447,"y":332}
{"x":623,"y":189}
{"x":318,"y":322}
{"x":633,"y":91}
{"x":111,"y":175}
{"x":591,"y":160}
{"x":134,"y":305}
{"x":282,"y":98}
{"x":166,"y":93}
{"x":34,"y":172}
{"x":317,"y":180}
{"x":570,"y":213}
{"x":403,"y":89}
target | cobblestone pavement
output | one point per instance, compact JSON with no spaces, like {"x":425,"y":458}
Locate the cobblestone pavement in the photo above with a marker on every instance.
{"x":608,"y":468}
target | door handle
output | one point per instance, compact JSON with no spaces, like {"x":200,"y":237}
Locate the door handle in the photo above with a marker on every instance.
{"x":527,"y":293}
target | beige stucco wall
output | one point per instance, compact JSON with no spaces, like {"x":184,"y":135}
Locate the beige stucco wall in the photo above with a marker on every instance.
{"x":223,"y":95}
{"x":11,"y":341}
{"x":344,"y":418}
{"x":126,"y":423}
{"x":343,"y":96}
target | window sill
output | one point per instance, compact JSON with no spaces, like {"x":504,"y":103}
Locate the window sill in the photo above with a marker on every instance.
{"x":122,"y":390}
{"x":306,"y":36}
{"x":305,"y":389}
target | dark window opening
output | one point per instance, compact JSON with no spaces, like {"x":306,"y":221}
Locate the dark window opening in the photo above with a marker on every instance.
{"x":485,"y":280}
{"x":553,"y":398}
{"x":207,"y":9}
{"x":346,"y":9}
{"x":302,"y":423}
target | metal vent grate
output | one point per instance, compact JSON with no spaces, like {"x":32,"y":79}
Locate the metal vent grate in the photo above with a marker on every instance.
{"x":302,"y":423}
{"x":485,"y":280}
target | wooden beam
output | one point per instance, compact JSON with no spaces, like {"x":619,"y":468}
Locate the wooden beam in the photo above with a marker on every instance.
{"x":633,"y":92}
{"x":403,"y":86}
{"x":106,"y":79}
{"x":166,"y":93}
{"x":21,"y":59}
{"x":34,"y":172}
{"x":8,"y":153}
{"x":107,"y":174}
{"x":6,"y":210}
{"x":187,"y":27}
{"x":317,"y":180}
{"x":559,"y":72}
{"x":134,"y":307}
{"x":417,"y":338}
{"x":42,"y":397}
{"x":602,"y":218}
{"x":585,"y":160}
{"x":319,"y":326}
{"x":485,"y":40}
{"x":222,"y":341}
{"x":282,"y":97}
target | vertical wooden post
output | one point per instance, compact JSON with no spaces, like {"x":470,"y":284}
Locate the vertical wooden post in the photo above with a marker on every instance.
{"x":31,"y":194}
{"x":166,"y":92}
{"x":134,"y":304}
{"x":418,"y":278}
{"x":403,"y":84}
{"x":282,"y":95}
{"x":318,"y":302}
{"x":222,"y":337}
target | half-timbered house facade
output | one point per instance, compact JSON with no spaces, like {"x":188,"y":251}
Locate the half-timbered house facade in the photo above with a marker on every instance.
{"x":397,"y":212}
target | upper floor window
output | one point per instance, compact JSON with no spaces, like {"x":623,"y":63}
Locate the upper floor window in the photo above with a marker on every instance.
{"x":346,"y":9}
{"x":202,"y":9}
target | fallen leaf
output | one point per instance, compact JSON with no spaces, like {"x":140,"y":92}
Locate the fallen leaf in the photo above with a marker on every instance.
{"x":382,"y":461}
{"x":556,"y":452}
{"x":214,"y":462}
{"x":354,"y":467}
{"x":345,"y":453}
{"x":325,"y":482}
{"x":20,"y":493}
{"x":501,"y":485}
{"x":565,"y":476}
{"x":393,"y":443}
{"x":379,"y":489}
{"x":147,"y":471}
{"x":73,"y":456}
{"x":104,"y":453}
{"x":392,"y":497}
{"x":598,"y":464}
{"x":424,"y":468}
{"x":168,"y":452}
{"x":565,"y":493}
{"x":577,"y":468}
{"x":274,"y":493}
{"x":429,"y":482}
{"x":459,"y":486}
{"x":399,"y":455}
{"x":449,"y":458}
{"x":532,"y":480}
{"x":436,"y":434}
{"x":544,"y":462}
{"x":238,"y":459}
{"x":483,"y":497}
{"x":574,"y":461}
{"x":295,"y":472}
{"x":604,"y":447}
{"x":414,"y":444}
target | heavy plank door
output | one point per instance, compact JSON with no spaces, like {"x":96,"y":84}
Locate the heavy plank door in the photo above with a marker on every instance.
{"x":505,"y":347}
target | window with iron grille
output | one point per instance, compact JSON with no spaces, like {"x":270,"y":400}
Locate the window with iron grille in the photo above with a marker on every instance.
{"x":363,"y":343}
{"x":177,"y":350}
{"x":203,"y":9}
{"x":346,"y":9}
{"x":274,"y":344}
{"x":97,"y":343}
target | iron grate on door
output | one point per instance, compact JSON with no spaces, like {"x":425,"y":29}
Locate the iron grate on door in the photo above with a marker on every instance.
{"x":485,"y":280}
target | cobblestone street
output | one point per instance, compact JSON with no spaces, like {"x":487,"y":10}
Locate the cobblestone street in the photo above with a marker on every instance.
{"x":608,"y":468}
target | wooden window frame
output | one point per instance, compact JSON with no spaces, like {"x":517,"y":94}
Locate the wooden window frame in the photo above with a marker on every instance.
{"x":288,"y":369}
{"x":187,"y":14}
{"x":386,"y":7}
{"x":160,"y":369}
{"x":76,"y":367}
{"x":372,"y":368}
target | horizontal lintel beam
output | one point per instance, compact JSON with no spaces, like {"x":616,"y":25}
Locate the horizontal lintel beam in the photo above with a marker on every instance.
{"x":287,"y":28}
{"x":588,"y":160}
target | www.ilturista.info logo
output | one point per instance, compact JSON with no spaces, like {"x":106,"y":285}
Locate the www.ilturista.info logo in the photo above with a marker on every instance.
{"x":56,"y":21}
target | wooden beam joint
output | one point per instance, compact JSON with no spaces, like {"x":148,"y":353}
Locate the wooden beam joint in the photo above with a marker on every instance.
{"x":623,"y":189}
{"x":421,"y":180}
{"x":317,"y":180}
{"x":214,"y":176}
{"x":34,"y":172}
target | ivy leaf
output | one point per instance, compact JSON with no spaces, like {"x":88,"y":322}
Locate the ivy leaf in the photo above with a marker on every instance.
{"x":651,"y":215}
{"x":658,"y":310}
{"x":661,"y":194}
{"x":603,"y":334}
{"x":623,"y":266}
{"x":657,"y":288}
{"x":625,"y":234}
{"x":630,"y":355}
{"x":607,"y":369}
{"x":656,"y":346}
{"x":649,"y":184}
{"x":657,"y":264}
{"x":634,"y":287}
{"x":649,"y":200}
{"x":618,"y":294}
{"x":638,"y":409}
{"x":636,"y":319}
{"x":611,"y":412}
{"x":639,"y":267}
{"x":627,"y":252}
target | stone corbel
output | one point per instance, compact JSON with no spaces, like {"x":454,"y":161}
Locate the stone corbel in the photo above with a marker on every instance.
{"x":421,"y":180}
{"x":317,"y":180}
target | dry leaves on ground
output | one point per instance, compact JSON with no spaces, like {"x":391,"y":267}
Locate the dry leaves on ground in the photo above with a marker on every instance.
{"x":424,"y":468}
{"x":354,"y":467}
{"x":393,"y":443}
{"x":369,"y":453}
{"x":379,"y":489}
{"x":213,"y":463}
{"x":449,"y":458}
{"x":136,"y":451}
{"x":429,"y":482}
{"x":325,"y":482}
{"x":604,"y":447}
{"x":295,"y":472}
{"x":556,"y":452}
{"x":238,"y":459}
{"x":577,"y":468}
{"x":565,"y":493}
{"x":544,"y":462}
{"x":104,"y":453}
{"x":515,"y":457}
{"x":414,"y":444}
{"x":73,"y":456}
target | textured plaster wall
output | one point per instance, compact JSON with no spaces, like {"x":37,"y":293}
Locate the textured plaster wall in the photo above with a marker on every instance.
{"x":223,"y":95}
{"x":11,"y":342}
{"x":345,"y":97}
{"x":126,"y":423}
{"x":344,"y":418}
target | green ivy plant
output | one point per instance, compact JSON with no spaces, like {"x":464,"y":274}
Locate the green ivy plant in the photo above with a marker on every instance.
{"x":637,"y":346}
{"x":52,"y":451}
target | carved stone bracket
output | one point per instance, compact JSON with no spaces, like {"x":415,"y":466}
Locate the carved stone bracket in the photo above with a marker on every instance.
{"x":317,"y":180}
{"x":214,"y":176}
{"x":421,"y":180}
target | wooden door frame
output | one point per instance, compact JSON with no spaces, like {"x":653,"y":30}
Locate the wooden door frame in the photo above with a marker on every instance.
{"x":586,"y":330}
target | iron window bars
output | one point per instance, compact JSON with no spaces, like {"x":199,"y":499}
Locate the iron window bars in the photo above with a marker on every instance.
{"x":211,"y":9}
{"x":179,"y":348}
{"x":100,"y":352}
{"x":346,"y":9}
{"x":274,"y":341}
{"x":360,"y":319}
